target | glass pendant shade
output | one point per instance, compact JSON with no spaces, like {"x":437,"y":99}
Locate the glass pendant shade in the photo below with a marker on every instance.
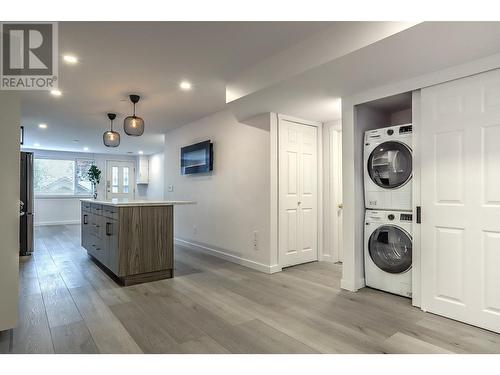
{"x":110,"y":137}
{"x":134,"y":125}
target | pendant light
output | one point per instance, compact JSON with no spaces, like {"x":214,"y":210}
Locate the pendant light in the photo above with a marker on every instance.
{"x":110,"y":137}
{"x":134,"y":125}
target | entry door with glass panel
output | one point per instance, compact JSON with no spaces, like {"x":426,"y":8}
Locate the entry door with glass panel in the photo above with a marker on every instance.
{"x":120,"y":181}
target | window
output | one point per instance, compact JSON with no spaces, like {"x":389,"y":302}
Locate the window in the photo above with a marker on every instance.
{"x":66,"y":177}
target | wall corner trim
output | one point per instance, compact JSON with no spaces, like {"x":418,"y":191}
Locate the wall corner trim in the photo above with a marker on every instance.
{"x":229,"y":257}
{"x":347,"y":285}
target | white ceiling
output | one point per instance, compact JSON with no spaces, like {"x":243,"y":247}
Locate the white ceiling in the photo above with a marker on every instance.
{"x":119,"y":58}
{"x":422,"y":49}
{"x":150,"y":59}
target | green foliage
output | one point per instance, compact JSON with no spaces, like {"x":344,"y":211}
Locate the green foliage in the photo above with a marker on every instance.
{"x":94,"y":175}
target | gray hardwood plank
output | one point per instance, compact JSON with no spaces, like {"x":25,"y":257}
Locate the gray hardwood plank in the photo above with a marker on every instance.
{"x":108,"y":333}
{"x":73,"y":338}
{"x":59,"y":305}
{"x":32,"y":335}
{"x":69,"y":305}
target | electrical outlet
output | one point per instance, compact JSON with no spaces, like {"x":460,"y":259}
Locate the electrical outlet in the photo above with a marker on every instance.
{"x":170,"y":188}
{"x":195,"y":230}
{"x":255,"y":240}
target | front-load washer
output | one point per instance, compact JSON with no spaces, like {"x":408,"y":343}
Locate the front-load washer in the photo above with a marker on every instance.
{"x":388,"y":168}
{"x":388,"y":251}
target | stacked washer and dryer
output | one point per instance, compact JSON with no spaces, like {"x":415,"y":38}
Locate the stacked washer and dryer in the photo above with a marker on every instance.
{"x":388,"y":203}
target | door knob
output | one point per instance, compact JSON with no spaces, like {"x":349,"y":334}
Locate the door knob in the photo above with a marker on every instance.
{"x":340,"y":205}
{"x":299,"y":202}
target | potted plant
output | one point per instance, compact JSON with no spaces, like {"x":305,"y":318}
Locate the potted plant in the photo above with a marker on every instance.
{"x":94,"y":176}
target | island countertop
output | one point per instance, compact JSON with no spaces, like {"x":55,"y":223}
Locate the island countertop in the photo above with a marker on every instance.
{"x":131,"y":203}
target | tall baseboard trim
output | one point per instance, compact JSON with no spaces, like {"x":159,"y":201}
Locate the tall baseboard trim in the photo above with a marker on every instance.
{"x":66,"y":222}
{"x":229,"y":257}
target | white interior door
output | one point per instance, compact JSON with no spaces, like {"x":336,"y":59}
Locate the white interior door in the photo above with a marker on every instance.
{"x":120,"y":179}
{"x":460,"y":191}
{"x":298,"y":193}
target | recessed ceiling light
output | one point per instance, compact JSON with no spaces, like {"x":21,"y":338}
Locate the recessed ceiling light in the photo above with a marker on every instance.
{"x":141,"y":152}
{"x":70,"y":59}
{"x":85,"y":149}
{"x":56,"y":92}
{"x":185,"y":85}
{"x":36,"y":144}
{"x":42,"y":126}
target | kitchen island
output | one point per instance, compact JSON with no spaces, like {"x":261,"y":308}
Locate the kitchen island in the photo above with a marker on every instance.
{"x":133,"y":239}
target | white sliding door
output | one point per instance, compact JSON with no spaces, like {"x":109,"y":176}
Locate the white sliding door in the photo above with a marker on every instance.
{"x":460,"y":191}
{"x":298,"y":193}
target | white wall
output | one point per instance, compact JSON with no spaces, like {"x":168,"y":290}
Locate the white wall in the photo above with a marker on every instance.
{"x":234,"y":200}
{"x":10,"y":119}
{"x":156,"y":186}
{"x":66,"y":210}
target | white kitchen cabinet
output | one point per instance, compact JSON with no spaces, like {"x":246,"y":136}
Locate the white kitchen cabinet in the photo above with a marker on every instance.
{"x":143,"y":170}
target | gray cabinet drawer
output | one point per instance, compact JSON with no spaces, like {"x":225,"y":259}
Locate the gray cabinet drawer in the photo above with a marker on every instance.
{"x":96,"y":208}
{"x":97,"y":249}
{"x":97,"y":225}
{"x":110,"y":212}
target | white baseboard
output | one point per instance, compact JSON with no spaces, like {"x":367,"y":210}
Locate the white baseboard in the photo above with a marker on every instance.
{"x":229,"y":257}
{"x":66,"y":222}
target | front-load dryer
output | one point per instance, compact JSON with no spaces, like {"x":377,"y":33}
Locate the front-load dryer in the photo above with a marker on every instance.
{"x":388,"y":251}
{"x":388,"y":168}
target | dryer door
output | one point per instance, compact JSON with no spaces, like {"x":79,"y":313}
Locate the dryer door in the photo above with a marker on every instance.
{"x":390,"y":165}
{"x":390,"y":249}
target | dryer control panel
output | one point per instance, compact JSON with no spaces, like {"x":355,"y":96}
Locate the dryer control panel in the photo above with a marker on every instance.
{"x":405,"y":129}
{"x":406,"y":217}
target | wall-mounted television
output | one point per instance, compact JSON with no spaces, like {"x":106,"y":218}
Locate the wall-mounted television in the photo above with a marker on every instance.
{"x":197,"y":158}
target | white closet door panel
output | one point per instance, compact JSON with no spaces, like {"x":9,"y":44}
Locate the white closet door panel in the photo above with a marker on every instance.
{"x":298,"y":186}
{"x":461,"y":199}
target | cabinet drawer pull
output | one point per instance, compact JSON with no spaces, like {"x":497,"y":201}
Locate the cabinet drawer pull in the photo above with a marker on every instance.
{"x":108,"y":229}
{"x":85,"y":219}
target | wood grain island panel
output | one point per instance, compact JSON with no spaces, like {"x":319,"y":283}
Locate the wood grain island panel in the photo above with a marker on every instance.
{"x":134,"y":242}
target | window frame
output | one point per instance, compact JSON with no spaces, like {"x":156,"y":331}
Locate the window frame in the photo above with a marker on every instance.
{"x":63,"y":196}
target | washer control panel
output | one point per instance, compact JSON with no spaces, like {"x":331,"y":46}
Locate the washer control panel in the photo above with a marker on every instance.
{"x":406,"y":217}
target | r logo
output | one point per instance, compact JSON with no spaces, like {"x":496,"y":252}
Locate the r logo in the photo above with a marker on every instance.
{"x":29,"y":58}
{"x":27,"y":49}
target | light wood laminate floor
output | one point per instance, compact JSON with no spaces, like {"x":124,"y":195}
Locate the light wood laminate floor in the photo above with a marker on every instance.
{"x":69,"y":305}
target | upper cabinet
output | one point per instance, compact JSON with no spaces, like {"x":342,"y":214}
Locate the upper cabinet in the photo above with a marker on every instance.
{"x":143,"y":170}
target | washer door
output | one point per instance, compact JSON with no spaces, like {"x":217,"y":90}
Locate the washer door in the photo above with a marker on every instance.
{"x":390,"y":249}
{"x":390,"y":165}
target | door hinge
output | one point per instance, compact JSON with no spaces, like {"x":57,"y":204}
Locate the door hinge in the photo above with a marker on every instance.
{"x":419,"y":215}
